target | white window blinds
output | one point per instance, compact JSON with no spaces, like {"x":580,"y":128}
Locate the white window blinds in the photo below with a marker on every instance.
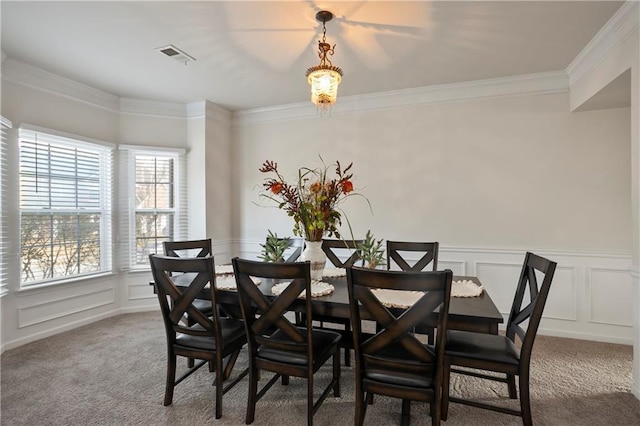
{"x":4,"y":227}
{"x":65,"y":205}
{"x":154,"y":193}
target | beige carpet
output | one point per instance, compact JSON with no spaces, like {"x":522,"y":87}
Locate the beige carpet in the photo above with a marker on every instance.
{"x":112,"y":373}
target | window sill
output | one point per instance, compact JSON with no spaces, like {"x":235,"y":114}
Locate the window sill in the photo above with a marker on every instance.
{"x":63,"y":283}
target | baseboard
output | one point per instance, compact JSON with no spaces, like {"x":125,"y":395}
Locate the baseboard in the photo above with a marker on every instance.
{"x":635,"y":390}
{"x":586,"y":336}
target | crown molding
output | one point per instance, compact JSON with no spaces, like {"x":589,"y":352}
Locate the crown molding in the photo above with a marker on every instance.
{"x":616,"y":31}
{"x":33,"y":77}
{"x":36,"y":78}
{"x":529,"y":84}
{"x":208,"y":110}
{"x":153,"y":108}
{"x":197,"y":110}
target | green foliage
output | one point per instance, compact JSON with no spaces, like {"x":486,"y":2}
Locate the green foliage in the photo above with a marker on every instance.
{"x":274,"y":247}
{"x":371,"y":251}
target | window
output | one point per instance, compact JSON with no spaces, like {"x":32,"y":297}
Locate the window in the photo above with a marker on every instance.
{"x":155,"y":195}
{"x":65,"y":206}
{"x":5,"y":125}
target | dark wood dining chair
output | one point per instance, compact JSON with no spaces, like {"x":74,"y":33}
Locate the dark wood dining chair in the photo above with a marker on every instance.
{"x":393,"y":361}
{"x":210,"y":338}
{"x":277,"y":345}
{"x":191,"y":248}
{"x":397,"y":256}
{"x":498,"y":353}
{"x":188,"y":248}
{"x":294,"y":252}
{"x":335,"y":251}
{"x":428,"y":260}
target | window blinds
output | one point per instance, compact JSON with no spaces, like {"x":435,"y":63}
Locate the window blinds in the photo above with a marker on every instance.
{"x":153,"y":189}
{"x":5,"y":125}
{"x":66,"y":195}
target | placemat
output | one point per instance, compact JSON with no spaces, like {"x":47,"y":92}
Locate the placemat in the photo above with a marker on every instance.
{"x":228,"y":282}
{"x":465,"y":288}
{"x":318,"y":288}
{"x":397,"y":298}
{"x":405,"y":299}
{"x":334,"y":272}
{"x":224,"y":269}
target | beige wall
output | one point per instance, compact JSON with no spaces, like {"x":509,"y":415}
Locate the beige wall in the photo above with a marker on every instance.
{"x":22,"y":104}
{"x":519,"y":172}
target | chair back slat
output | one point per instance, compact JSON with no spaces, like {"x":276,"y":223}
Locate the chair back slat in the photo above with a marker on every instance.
{"x":298,"y":245}
{"x":201,"y":248}
{"x":333,"y":247}
{"x":395,"y":250}
{"x":396,"y":326}
{"x":265,"y":315}
{"x":532,"y":311}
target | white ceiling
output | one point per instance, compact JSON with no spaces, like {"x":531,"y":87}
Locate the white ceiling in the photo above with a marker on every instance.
{"x":255,"y":54}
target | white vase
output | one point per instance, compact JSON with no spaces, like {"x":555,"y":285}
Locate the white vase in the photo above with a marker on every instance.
{"x":313,"y":253}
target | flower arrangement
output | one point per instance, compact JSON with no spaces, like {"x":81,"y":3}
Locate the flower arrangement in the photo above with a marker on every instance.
{"x":313,"y":200}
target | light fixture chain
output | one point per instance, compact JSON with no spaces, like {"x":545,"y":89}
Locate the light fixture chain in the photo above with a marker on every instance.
{"x":324,"y":32}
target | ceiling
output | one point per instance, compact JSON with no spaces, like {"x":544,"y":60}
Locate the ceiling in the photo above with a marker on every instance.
{"x":255,"y":54}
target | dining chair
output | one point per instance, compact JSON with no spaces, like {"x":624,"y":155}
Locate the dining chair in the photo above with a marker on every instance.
{"x":500,"y":353}
{"x":188,"y":248}
{"x":297,"y":245}
{"x":335,"y":250}
{"x":396,"y":255}
{"x":209,"y":338}
{"x":191,"y":248}
{"x":277,"y":345}
{"x":393,"y":361}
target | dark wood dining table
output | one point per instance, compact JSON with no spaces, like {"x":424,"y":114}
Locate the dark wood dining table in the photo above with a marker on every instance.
{"x":478,"y":314}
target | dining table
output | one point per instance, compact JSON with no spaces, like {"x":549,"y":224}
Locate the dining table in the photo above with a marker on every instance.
{"x":476,"y":313}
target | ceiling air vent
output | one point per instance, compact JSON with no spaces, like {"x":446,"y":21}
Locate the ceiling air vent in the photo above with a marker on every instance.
{"x":175,"y":53}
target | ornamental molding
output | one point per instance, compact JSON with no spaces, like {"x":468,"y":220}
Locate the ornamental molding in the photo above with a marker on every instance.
{"x":36,"y":78}
{"x":520,"y":85}
{"x":622,"y":25}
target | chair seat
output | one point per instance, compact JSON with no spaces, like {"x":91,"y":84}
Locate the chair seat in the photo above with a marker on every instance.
{"x":396,"y":366}
{"x":481,"y":346}
{"x":398,"y":378}
{"x":230,"y":329}
{"x":324,"y":343}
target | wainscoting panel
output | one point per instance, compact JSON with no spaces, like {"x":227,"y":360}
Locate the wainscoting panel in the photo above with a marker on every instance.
{"x":499,"y":279}
{"x":609,"y":296}
{"x":590,"y":298}
{"x":458,"y":267}
{"x":37,"y":309}
{"x":562,"y":300}
{"x":591,"y":295}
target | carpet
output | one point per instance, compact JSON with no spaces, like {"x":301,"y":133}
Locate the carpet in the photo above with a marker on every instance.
{"x":112,"y":372}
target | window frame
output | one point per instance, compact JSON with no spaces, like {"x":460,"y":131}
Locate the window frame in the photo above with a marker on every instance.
{"x":105,"y":152}
{"x":128,"y":157}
